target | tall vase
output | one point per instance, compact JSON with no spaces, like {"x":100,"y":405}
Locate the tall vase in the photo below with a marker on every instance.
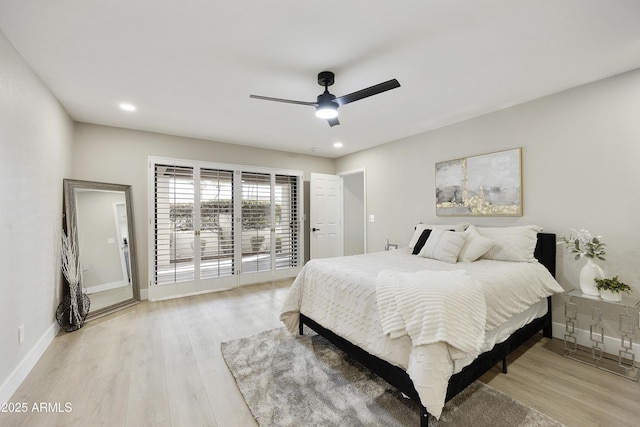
{"x":588,"y":273}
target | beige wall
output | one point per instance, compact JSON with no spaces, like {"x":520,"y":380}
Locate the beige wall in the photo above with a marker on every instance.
{"x":580,"y":148}
{"x":35,"y":155}
{"x":353,"y":189}
{"x":120,"y":156}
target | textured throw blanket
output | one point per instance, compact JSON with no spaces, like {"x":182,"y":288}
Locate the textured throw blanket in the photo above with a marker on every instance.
{"x":433,"y":306}
{"x":444,"y":314}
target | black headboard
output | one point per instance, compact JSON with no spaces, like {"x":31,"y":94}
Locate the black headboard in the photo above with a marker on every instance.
{"x":545,"y":251}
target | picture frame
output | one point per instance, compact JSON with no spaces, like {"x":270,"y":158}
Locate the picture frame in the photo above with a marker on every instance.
{"x":483,"y":185}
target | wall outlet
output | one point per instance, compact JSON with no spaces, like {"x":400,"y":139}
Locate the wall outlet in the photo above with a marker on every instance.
{"x":20,"y":334}
{"x":372,"y":218}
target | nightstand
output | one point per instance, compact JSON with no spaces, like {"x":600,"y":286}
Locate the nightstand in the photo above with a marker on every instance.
{"x":626,"y":312}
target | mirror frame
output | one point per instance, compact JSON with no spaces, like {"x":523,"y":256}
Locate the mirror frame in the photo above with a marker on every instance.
{"x":70,"y":185}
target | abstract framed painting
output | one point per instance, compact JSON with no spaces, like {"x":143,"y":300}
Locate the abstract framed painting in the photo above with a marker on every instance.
{"x":484,"y":185}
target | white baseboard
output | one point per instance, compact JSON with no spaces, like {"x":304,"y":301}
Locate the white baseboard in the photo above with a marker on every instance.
{"x":611,"y":343}
{"x":25,"y":366}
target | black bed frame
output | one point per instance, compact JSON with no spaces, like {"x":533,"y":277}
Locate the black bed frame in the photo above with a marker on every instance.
{"x":545,"y":253}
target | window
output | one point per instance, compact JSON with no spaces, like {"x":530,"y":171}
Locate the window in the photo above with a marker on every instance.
{"x":211,"y":223}
{"x":216,"y":223}
{"x":287,"y":222}
{"x":173,"y":224}
{"x":256,"y":222}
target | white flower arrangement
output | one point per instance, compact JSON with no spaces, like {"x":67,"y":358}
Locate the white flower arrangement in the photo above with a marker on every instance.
{"x":584,"y":244}
{"x":70,"y":259}
{"x":71,"y":271}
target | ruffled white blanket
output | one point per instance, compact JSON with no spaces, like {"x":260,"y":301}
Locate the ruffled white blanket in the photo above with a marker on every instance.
{"x":433,"y":307}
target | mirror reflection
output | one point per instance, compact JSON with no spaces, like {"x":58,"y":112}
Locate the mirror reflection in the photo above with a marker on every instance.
{"x":104,"y":229}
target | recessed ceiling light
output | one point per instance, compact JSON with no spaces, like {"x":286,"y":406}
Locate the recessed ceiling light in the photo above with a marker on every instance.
{"x":337,"y":144}
{"x":127,"y":107}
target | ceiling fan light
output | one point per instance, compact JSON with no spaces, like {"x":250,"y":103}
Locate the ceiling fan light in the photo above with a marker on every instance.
{"x":327,"y":110}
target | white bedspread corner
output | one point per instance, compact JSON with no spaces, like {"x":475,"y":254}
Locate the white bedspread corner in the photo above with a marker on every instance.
{"x":290,"y":312}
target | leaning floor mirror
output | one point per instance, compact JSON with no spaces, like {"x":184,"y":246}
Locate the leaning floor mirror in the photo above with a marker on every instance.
{"x":101,"y":215}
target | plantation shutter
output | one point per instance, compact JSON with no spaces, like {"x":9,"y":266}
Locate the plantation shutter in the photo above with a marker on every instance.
{"x":287,"y":227}
{"x":173,"y":224}
{"x":216,"y":226}
{"x":256,"y":222}
{"x":216,"y":223}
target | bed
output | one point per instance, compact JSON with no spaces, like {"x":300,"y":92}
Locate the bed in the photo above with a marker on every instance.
{"x":346,"y":300}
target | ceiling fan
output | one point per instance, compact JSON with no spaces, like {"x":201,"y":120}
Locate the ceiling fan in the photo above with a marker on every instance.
{"x":327,"y":103}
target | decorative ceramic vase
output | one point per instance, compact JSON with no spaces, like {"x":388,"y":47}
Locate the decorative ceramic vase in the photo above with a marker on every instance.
{"x":610,"y":295}
{"x":590,"y":271}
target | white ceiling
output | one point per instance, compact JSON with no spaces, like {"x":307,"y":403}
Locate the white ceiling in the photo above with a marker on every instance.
{"x":190,"y":65}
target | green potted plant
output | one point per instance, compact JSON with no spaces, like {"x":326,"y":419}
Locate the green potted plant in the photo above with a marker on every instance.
{"x":610,"y":288}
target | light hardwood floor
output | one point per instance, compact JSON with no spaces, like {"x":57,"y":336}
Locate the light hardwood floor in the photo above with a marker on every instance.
{"x":159,"y":364}
{"x":102,"y":299}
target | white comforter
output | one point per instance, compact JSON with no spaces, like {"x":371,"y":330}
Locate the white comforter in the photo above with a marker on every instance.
{"x":340,"y":294}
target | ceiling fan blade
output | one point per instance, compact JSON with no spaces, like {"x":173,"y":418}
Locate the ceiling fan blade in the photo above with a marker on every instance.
{"x":333,"y":122}
{"x":370,"y":91}
{"x":288,"y":101}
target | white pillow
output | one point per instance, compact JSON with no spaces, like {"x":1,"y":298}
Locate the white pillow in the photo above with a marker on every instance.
{"x":443,"y":245}
{"x":474,"y":246}
{"x":420,"y":227}
{"x":511,"y":243}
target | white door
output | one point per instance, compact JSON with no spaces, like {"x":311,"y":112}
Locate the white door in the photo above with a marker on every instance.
{"x":325,"y":216}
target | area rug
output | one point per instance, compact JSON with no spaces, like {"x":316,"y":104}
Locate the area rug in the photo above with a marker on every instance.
{"x":290,"y":380}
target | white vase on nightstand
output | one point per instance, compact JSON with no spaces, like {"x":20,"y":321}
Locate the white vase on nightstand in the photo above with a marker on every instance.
{"x":590,"y":271}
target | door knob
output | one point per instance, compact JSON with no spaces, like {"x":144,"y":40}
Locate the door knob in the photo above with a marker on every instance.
{"x":315,"y":229}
